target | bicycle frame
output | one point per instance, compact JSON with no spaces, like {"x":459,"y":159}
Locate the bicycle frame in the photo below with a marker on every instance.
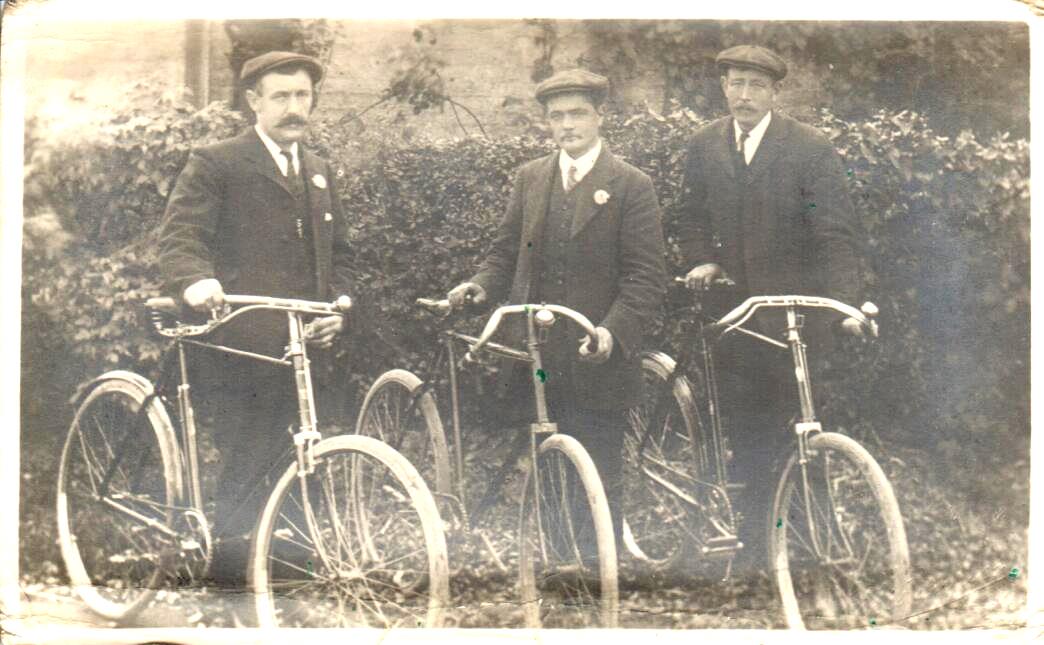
{"x":539,"y":319}
{"x":296,"y":358}
{"x":806,"y":423}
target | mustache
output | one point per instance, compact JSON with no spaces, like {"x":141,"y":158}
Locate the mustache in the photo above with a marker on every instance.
{"x":292,"y":120}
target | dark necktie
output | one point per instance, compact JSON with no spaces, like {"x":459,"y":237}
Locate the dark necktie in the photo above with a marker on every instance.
{"x":571,"y":180}
{"x":741,"y":147}
{"x":294,"y":182}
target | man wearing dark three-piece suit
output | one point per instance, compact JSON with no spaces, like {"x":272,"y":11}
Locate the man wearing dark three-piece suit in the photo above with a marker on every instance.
{"x":765,"y":204}
{"x":256,"y":214}
{"x":582,"y":229}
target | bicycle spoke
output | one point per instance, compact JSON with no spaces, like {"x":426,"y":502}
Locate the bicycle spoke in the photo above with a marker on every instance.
{"x":113,"y":557}
{"x":374,"y":558}
{"x":853,"y":575}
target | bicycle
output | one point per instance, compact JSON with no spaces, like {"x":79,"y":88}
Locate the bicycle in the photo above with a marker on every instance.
{"x":350,"y":533}
{"x":837,"y":542}
{"x":561,"y":582}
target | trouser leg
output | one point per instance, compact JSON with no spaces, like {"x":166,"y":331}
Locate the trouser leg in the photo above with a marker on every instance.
{"x":250,"y":433}
{"x":601,"y":433}
{"x":757,"y":395}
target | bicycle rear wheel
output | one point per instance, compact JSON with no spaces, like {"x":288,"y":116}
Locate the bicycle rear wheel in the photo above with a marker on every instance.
{"x":118,"y":482}
{"x":838,"y":547}
{"x":672,"y":501}
{"x":567,"y":554}
{"x":400,"y":413}
{"x":357,"y":543}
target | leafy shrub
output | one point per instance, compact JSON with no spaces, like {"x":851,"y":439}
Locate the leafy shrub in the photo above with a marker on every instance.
{"x":945,"y":223}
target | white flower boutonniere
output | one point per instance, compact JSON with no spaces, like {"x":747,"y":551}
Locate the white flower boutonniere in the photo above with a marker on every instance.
{"x":319,"y":182}
{"x":601,"y":197}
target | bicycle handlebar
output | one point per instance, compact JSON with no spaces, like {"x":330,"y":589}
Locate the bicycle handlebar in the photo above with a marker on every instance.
{"x":222,"y":315}
{"x":506,"y":310}
{"x":443,"y":306}
{"x":746,"y":309}
{"x":339,"y":306}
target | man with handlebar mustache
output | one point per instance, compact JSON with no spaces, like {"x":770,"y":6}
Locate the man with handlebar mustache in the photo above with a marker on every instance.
{"x":256,"y":214}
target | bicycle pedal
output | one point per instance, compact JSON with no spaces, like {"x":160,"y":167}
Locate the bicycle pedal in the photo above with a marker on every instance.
{"x":721,"y":547}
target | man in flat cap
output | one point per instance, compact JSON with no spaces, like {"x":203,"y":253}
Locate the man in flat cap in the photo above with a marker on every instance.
{"x":764,"y":204}
{"x":582,"y":229}
{"x":256,"y":214}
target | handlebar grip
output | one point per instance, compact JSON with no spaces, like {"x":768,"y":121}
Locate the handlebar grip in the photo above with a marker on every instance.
{"x":163,"y":304}
{"x":435,"y":306}
{"x":343,"y":304}
{"x":717,"y":282}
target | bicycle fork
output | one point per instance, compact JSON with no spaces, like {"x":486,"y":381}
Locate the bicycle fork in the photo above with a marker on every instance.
{"x":805,"y":427}
{"x":307,"y":435}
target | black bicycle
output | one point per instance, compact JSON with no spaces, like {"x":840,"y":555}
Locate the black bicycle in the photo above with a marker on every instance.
{"x":350,"y":534}
{"x":837,"y":542}
{"x":567,"y":552}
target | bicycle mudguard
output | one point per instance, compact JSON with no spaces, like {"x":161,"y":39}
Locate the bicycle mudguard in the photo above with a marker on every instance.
{"x":115,"y":375}
{"x":151,"y":396}
{"x":663,"y":360}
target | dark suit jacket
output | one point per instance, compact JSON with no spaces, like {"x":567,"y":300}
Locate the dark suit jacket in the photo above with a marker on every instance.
{"x":786,"y":227}
{"x":616,"y":275}
{"x":231,"y":216}
{"x":796,"y":213}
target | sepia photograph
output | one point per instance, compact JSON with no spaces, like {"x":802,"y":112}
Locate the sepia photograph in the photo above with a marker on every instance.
{"x":418,"y":321}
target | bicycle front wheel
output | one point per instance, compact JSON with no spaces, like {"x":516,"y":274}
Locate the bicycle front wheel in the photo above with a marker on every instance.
{"x":118,"y":482}
{"x":838,"y":545}
{"x":359,"y":542}
{"x":399,"y":412}
{"x":567,"y":553}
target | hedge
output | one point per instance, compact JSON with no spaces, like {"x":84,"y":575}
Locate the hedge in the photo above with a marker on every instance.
{"x":945,"y":222}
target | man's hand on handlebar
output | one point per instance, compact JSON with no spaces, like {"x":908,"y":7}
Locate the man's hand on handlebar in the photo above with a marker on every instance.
{"x":465,"y":293}
{"x":705,"y":275}
{"x":602,"y":350}
{"x":322,"y":331}
{"x":852,"y":327}
{"x":204,"y":295}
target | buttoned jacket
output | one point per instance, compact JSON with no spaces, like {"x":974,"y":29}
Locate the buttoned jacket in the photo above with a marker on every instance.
{"x":615,"y":269}
{"x":232,"y":216}
{"x":783,"y":225}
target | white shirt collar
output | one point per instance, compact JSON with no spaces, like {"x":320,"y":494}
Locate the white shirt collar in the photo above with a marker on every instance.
{"x":277,"y":152}
{"x":754,"y":136}
{"x":583,"y":165}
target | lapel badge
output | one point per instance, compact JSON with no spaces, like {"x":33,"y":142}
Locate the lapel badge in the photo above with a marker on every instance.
{"x":319,"y":182}
{"x":601,"y":197}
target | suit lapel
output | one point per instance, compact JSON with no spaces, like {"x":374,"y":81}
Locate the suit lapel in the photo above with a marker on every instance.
{"x":722,"y":147}
{"x":535,"y":201}
{"x":263,"y":162}
{"x":600,"y":178}
{"x":770,"y":147}
{"x":311,"y":167}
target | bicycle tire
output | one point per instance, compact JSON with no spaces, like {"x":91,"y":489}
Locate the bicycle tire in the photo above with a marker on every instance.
{"x":398,"y":413}
{"x":570,"y":592}
{"x":854,"y":512}
{"x":332,"y":565}
{"x":656,"y":525}
{"x":116,"y":571}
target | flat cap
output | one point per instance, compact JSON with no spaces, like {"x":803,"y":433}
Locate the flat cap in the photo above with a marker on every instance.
{"x":753,"y":57}
{"x":258,"y":65}
{"x":572,"y":80}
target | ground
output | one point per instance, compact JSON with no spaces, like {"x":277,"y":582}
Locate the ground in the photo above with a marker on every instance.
{"x":966,"y":528}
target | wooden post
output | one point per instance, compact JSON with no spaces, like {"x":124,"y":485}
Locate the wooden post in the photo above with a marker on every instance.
{"x":197,"y":60}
